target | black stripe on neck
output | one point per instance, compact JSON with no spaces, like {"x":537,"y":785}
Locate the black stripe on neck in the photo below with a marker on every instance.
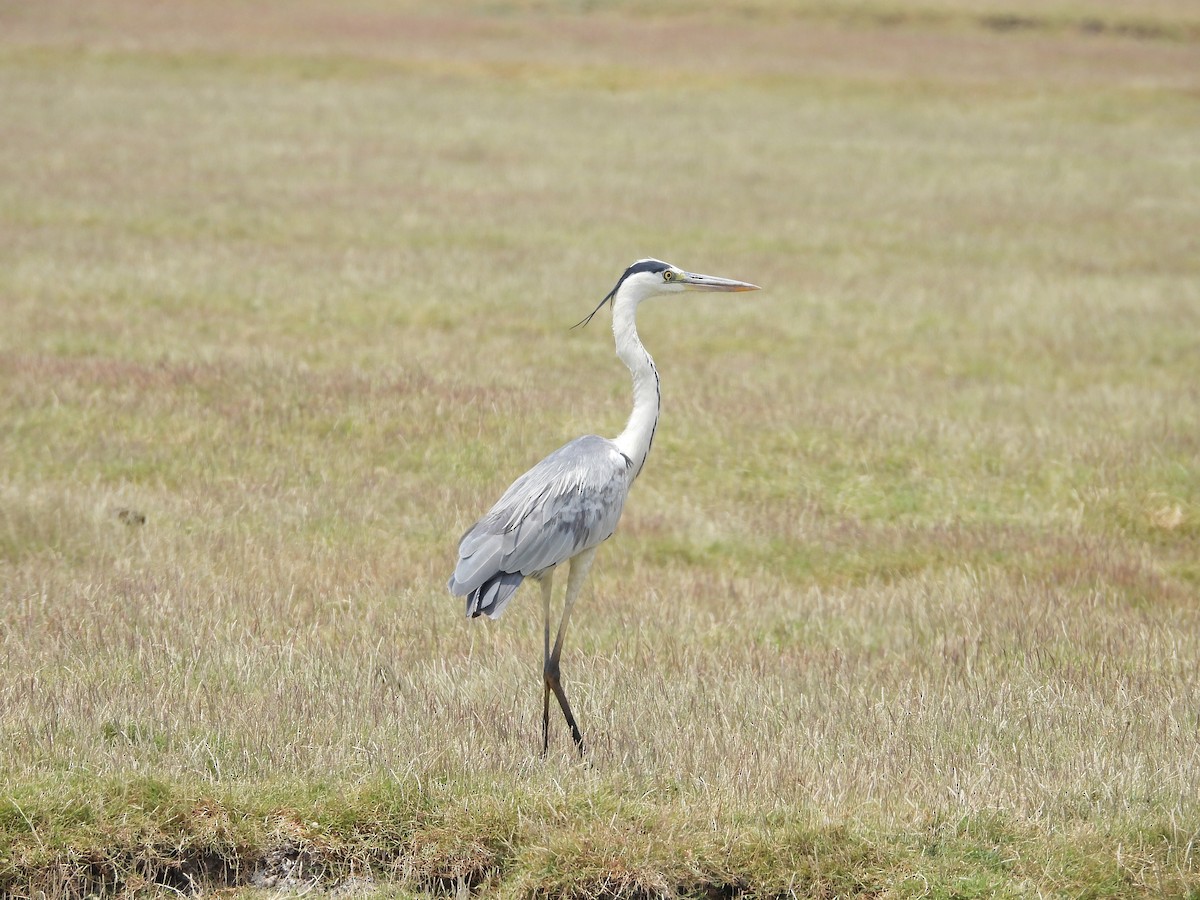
{"x":657,"y":415}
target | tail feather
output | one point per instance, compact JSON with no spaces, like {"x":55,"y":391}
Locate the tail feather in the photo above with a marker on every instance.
{"x":493,"y":595}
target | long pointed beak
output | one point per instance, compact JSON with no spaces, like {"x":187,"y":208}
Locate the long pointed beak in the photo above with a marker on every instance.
{"x":713,"y":283}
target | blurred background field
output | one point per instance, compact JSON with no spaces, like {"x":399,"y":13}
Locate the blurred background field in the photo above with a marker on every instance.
{"x":907,"y":602}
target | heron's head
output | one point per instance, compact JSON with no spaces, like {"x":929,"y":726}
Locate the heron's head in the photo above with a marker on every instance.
{"x":648,"y":278}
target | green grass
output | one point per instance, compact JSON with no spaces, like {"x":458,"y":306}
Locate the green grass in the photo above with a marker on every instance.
{"x":906,"y":602}
{"x":592,"y":841}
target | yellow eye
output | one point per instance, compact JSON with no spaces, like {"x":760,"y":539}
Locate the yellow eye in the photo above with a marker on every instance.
{"x":668,"y":275}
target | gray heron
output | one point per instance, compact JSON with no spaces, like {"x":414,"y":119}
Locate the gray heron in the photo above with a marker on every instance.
{"x":569,"y":503}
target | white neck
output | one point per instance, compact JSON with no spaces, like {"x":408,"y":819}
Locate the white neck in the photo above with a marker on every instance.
{"x":635,"y":440}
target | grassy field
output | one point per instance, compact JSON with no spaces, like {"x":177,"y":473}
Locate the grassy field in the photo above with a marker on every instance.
{"x":907,"y":601}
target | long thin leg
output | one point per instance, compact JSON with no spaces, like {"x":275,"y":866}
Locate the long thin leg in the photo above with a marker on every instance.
{"x":580,"y":566}
{"x":547,"y":584}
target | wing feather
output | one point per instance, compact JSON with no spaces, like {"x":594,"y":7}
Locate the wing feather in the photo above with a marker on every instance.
{"x":568,"y":502}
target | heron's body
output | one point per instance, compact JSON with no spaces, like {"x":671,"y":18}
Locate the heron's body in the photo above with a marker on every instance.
{"x":569,"y":503}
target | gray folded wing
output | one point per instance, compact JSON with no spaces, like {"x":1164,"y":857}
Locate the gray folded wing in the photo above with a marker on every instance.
{"x":568,"y":502}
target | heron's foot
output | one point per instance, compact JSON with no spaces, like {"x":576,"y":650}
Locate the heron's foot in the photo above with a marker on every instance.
{"x":550,"y":676}
{"x":546,"y":720}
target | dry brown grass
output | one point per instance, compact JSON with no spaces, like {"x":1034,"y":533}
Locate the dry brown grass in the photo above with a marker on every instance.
{"x":906,"y":603}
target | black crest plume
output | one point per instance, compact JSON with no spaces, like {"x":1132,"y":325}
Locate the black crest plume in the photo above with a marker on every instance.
{"x":642,"y":265}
